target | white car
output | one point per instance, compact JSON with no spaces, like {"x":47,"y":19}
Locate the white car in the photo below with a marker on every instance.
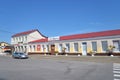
{"x":19,"y":55}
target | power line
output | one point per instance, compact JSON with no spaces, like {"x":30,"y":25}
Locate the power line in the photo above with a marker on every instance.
{"x":5,"y":31}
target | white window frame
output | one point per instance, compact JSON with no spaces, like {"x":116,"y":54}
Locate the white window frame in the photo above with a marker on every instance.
{"x":76,"y":47}
{"x":118,"y":46}
{"x":104,"y":46}
{"x":60,"y":46}
{"x":67,"y":46}
{"x":94,"y":49}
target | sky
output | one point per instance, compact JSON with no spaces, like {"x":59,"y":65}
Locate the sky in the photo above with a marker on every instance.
{"x":58,"y":17}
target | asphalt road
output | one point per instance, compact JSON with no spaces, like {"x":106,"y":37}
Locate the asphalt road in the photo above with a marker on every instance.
{"x":47,"y":69}
{"x":97,"y":59}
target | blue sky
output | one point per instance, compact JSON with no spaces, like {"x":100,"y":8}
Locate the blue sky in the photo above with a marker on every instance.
{"x":58,"y":17}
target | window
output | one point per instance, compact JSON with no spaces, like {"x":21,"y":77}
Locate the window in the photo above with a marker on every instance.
{"x":47,"y":48}
{"x":60,"y":47}
{"x":30,"y":48}
{"x":94,"y":46}
{"x":25,"y":38}
{"x":43,"y":48}
{"x":116,"y":43}
{"x":16,"y":39}
{"x":25,"y":47}
{"x":104,"y":45}
{"x":67,"y":47}
{"x":19,"y":38}
{"x":34,"y":47}
{"x":76,"y":47}
{"x":16,"y":49}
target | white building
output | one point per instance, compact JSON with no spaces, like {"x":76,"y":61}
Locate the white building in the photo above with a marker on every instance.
{"x":84,"y":44}
{"x":34,"y":42}
{"x":20,"y":40}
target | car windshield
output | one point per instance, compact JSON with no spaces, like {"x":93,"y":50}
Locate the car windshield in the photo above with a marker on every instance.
{"x":21,"y":53}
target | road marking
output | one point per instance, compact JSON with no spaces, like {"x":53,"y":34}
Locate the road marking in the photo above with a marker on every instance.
{"x":116,"y":64}
{"x":116,"y":67}
{"x":116,"y":75}
{"x":116,"y":79}
{"x":116,"y":71}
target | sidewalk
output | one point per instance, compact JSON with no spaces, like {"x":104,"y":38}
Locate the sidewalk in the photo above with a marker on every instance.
{"x":101,"y":59}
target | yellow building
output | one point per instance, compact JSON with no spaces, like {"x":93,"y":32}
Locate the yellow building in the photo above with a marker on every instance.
{"x":83,"y":44}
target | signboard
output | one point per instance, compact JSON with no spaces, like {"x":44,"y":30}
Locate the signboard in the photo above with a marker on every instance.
{"x":20,"y":42}
{"x":53,"y":38}
{"x":38,"y":47}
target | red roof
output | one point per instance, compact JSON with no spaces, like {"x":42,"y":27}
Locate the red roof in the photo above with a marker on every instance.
{"x":24,"y":33}
{"x":91,"y":35}
{"x":40,"y":40}
{"x":85,"y":35}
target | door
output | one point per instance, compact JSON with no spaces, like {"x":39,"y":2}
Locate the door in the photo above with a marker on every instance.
{"x":117,"y":47}
{"x":84,"y":48}
{"x":52,"y":49}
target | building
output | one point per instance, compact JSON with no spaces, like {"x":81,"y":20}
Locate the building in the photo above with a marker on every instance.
{"x":83,"y":44}
{"x":5,"y":47}
{"x":20,"y":40}
{"x":78,"y":43}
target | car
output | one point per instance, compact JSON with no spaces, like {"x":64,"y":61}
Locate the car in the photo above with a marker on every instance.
{"x":19,"y":55}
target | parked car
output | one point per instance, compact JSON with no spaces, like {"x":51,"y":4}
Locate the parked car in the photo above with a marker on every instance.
{"x":19,"y":55}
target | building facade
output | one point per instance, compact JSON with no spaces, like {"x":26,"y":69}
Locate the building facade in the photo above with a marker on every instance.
{"x":83,"y":44}
{"x":20,"y":40}
{"x":5,"y":47}
{"x":97,"y":42}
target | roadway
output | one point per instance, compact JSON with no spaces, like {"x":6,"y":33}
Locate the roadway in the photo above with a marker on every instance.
{"x":45,"y":68}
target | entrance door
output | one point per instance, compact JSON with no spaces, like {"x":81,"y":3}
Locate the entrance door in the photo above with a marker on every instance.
{"x":117,"y":47}
{"x":52,"y":49}
{"x":84,"y":48}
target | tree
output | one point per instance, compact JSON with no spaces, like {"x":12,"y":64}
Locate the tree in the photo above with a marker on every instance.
{"x":110,"y":50}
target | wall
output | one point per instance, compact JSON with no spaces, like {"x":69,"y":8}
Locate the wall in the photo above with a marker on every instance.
{"x":79,"y":41}
{"x":34,"y":36}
